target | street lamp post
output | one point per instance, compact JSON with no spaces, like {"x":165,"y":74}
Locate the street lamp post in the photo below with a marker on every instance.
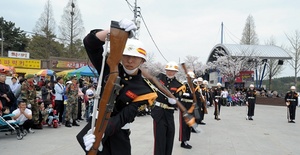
{"x":72,"y":22}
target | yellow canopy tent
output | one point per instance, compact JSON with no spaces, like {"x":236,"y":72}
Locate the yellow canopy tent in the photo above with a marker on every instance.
{"x":64,"y":73}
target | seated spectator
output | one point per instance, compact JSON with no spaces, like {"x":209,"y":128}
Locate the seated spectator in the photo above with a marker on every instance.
{"x":51,"y":114}
{"x":43,"y":114}
{"x":24,"y":116}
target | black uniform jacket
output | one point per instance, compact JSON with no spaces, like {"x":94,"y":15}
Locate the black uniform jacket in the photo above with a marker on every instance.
{"x":171,"y":84}
{"x":134,"y":92}
{"x":217,"y":93}
{"x":251,"y":95}
{"x":291,"y":97}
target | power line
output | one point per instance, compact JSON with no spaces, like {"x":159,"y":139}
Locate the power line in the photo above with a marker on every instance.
{"x":232,"y":34}
{"x":130,"y":7}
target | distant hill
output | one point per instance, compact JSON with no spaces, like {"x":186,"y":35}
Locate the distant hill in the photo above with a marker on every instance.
{"x":282,"y":85}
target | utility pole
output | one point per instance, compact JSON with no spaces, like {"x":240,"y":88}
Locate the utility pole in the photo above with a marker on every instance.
{"x":2,"y":39}
{"x":137,"y":16}
{"x":72,"y":21}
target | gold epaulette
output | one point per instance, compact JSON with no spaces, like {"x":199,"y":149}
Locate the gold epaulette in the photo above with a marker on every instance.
{"x":182,"y":88}
{"x":150,"y":97}
{"x":197,"y":88}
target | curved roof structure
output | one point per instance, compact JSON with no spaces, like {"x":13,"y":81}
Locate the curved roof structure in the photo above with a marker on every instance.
{"x":261,"y":51}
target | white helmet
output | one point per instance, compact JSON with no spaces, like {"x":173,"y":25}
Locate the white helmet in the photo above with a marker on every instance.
{"x":191,"y":74}
{"x":173,"y":66}
{"x":205,"y":82}
{"x":293,"y":88}
{"x":135,"y":48}
{"x":251,"y":86}
{"x":200,"y":79}
{"x":195,"y":81}
{"x":219,"y":84}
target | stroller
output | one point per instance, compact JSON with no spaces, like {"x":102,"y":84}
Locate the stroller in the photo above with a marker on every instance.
{"x":10,"y":126}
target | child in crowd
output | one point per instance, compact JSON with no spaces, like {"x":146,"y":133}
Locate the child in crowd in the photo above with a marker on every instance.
{"x":51,"y":114}
{"x":5,"y":111}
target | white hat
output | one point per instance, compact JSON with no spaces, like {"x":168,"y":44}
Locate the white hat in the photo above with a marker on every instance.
{"x":251,"y":86}
{"x":135,"y":48}
{"x":200,"y":79}
{"x":173,"y":66}
{"x":205,"y":82}
{"x":68,"y":82}
{"x":219,"y":84}
{"x":293,"y":88}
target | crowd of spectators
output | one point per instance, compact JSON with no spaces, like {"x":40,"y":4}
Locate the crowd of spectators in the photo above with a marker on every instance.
{"x":52,"y":97}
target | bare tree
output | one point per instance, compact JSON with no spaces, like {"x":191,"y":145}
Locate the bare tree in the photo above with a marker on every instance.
{"x":274,"y":68}
{"x":46,"y":24}
{"x":42,"y":44}
{"x":71,"y":26}
{"x":249,"y":36}
{"x":195,"y":65}
{"x":294,"y":52}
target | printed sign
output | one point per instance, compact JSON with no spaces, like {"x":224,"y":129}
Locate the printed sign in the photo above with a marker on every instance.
{"x":15,"y":54}
{"x":22,"y":63}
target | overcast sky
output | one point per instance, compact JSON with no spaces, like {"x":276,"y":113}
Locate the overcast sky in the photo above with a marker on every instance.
{"x":180,"y":28}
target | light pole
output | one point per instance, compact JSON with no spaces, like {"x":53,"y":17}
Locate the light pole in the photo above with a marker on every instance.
{"x":72,"y":18}
{"x":2,"y":39}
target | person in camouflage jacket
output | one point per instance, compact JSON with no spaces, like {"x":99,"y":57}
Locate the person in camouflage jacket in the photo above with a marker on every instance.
{"x":72,"y":106}
{"x":28,"y":94}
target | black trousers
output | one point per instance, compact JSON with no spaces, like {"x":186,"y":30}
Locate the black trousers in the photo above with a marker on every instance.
{"x":201,"y":112}
{"x":26,"y":125}
{"x":217,"y":108}
{"x":79,"y":108}
{"x":164,"y":130}
{"x":292,"y":110}
{"x":59,"y":107}
{"x":251,"y":107}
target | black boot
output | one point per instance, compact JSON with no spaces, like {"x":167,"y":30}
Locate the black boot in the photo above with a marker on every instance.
{"x":186,"y":145}
{"x":68,"y":124}
{"x":75,"y":123}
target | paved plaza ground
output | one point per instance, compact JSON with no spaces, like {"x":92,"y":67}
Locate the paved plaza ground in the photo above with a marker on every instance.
{"x":268,"y":134}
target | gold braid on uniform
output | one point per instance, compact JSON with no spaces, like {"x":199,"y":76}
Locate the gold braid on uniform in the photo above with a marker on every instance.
{"x":150,"y":97}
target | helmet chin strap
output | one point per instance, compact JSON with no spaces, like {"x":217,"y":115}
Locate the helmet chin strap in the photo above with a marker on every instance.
{"x":130,"y":72}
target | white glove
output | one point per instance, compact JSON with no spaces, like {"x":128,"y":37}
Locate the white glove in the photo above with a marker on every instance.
{"x":171,"y":100}
{"x":186,"y":94}
{"x":89,"y":140}
{"x":127,"y":24}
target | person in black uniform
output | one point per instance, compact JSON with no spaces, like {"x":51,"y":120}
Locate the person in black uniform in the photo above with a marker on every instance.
{"x":250,"y":101}
{"x":134,"y":93}
{"x":216,"y":99}
{"x":162,"y":112}
{"x":291,"y":100}
{"x":201,"y":101}
{"x":187,"y":102}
